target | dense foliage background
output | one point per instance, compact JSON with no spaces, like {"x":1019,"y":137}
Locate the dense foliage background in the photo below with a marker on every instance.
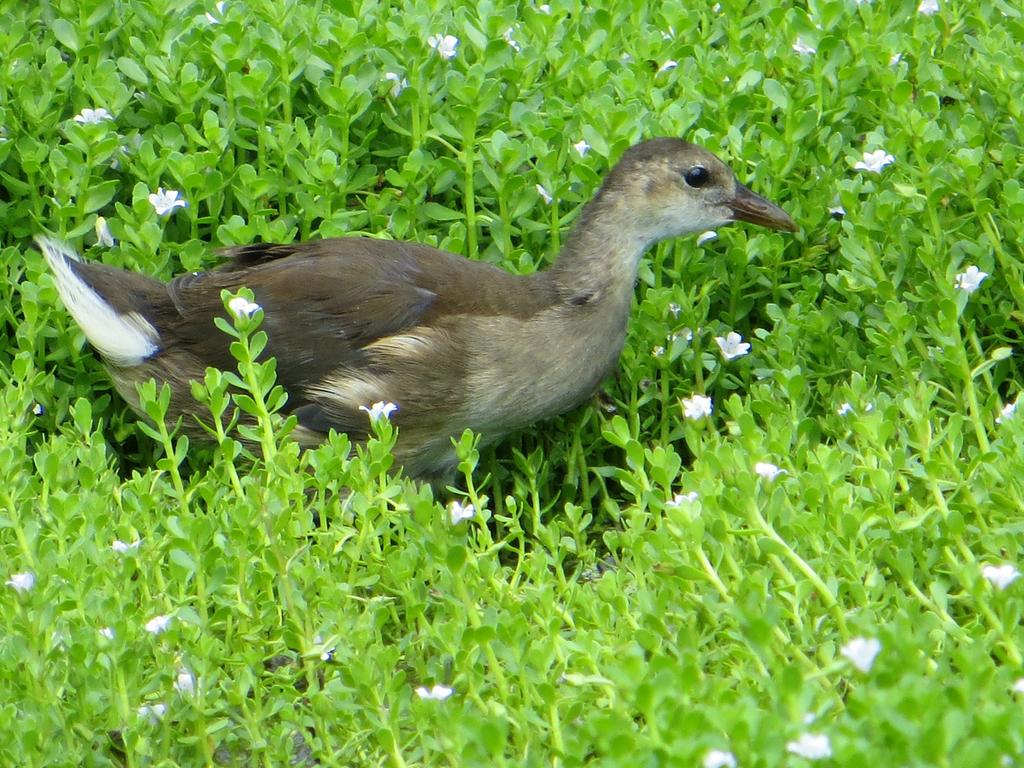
{"x":630,"y":590}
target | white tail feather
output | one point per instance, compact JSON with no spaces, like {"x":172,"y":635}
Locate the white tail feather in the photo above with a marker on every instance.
{"x":123,"y":340}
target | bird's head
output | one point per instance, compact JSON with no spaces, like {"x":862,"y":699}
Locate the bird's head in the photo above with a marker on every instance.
{"x":672,"y":188}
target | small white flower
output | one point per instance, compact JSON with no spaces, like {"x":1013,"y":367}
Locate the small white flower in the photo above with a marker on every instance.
{"x":152,"y":712}
{"x":669,"y":34}
{"x":544,"y":8}
{"x":732,"y":345}
{"x":682,"y":498}
{"x":445,"y":45}
{"x":668,"y":65}
{"x":507,"y":37}
{"x":581,"y":147}
{"x":434,"y":693}
{"x":804,"y":48}
{"x":861,"y":652}
{"x":22,"y":582}
{"x":719,"y":758}
{"x":928,"y":7}
{"x":1000,"y":576}
{"x":185,"y":683}
{"x":812,"y":746}
{"x":674,"y":309}
{"x":399,"y":83}
{"x":874,"y":161}
{"x":696,"y":407}
{"x":379,"y":410}
{"x":1008,"y":410}
{"x":107,"y":632}
{"x":158,"y":624}
{"x":103,"y":236}
{"x":969,"y":280}
{"x":219,"y":8}
{"x":165,"y":201}
{"x":658,"y":351}
{"x":92,"y":116}
{"x":544,"y":194}
{"x":704,"y":237}
{"x":685,"y":336}
{"x":869,"y":407}
{"x":328,"y":655}
{"x":457,"y":512}
{"x":39,"y":410}
{"x":895,"y":59}
{"x":1018,"y":685}
{"x":837,"y":211}
{"x":844,"y":409}
{"x":123,"y":548}
{"x":768,"y":470}
{"x":241,"y":307}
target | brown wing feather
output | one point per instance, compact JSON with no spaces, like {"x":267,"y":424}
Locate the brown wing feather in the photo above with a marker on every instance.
{"x":327,"y":302}
{"x":319,"y":311}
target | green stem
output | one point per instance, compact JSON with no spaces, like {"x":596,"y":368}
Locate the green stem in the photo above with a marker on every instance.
{"x":759,"y":522}
{"x":473,"y":616}
{"x":468,"y":159}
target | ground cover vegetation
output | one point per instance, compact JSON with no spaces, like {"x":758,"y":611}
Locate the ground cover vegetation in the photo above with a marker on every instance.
{"x":817,"y":563}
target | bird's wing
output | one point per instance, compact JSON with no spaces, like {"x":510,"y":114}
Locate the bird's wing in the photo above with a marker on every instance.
{"x":350,"y":321}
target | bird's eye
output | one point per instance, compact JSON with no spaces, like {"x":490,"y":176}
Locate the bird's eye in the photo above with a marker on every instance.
{"x":697,"y":176}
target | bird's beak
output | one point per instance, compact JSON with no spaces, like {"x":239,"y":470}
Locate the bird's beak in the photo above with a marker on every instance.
{"x":748,"y":206}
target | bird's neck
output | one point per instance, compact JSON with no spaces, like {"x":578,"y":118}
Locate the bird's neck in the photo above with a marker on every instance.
{"x":598,"y":262}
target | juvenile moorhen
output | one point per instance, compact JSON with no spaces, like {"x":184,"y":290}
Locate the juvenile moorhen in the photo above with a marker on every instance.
{"x":453,"y":343}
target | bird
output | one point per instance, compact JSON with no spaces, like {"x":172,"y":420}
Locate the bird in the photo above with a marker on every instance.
{"x":453,"y":343}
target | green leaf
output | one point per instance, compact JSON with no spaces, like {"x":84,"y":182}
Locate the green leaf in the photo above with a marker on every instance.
{"x":100,"y":194}
{"x":776,"y":93}
{"x":437,"y":212}
{"x":456,"y":557}
{"x":183,"y":559}
{"x":131,"y":69}
{"x":66,"y":33}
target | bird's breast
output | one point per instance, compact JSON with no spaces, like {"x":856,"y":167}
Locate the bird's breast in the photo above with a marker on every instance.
{"x":533,"y":369}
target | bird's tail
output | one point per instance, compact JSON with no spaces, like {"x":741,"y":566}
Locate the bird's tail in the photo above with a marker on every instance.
{"x":106,"y":304}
